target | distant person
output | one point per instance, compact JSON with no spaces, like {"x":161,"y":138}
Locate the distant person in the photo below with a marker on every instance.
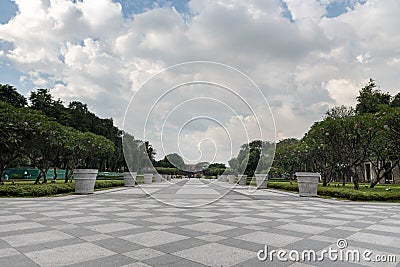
{"x":6,"y":177}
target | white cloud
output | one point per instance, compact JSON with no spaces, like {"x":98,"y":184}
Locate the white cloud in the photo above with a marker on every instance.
{"x":87,"y":51}
{"x":344,"y":92}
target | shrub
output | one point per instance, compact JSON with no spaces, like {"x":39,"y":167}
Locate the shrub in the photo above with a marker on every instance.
{"x":42,"y":190}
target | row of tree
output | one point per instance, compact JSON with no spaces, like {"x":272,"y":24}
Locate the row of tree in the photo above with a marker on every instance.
{"x":346,"y":138}
{"x":28,"y":134}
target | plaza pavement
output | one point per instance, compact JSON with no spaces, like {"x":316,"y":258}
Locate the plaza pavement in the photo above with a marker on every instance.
{"x":189,"y":225}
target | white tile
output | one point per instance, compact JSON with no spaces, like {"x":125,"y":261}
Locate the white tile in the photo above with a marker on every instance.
{"x":214,"y":254}
{"x":165,"y":219}
{"x":66,"y":255}
{"x":154,"y":238}
{"x":35,"y":238}
{"x":303,"y":228}
{"x":211,"y":237}
{"x":326,"y":221}
{"x":111,"y":227}
{"x":20,"y":226}
{"x":208,"y":227}
{"x":246,"y":220}
{"x":381,"y":240}
{"x":5,"y":252}
{"x":83,"y":219}
{"x":265,"y":238}
{"x":143,"y":254}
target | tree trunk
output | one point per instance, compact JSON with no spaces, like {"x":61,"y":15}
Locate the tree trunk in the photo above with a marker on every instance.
{"x":355,"y":180}
{"x":66,"y":176}
{"x":55,"y":173}
{"x":1,"y":175}
{"x":45,"y":176}
{"x":38,"y":178}
{"x":376,"y":181}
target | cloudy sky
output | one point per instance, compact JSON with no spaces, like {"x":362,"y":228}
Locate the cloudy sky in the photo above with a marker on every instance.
{"x":305,"y":56}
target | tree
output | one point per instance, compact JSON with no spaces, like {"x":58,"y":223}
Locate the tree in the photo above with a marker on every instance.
{"x":10,"y":95}
{"x":340,"y":112}
{"x":42,"y":100}
{"x":215,"y":169}
{"x":384,"y":150}
{"x":371,"y":99}
{"x":12,"y":134}
{"x":254,"y":156}
{"x":395,"y":101}
{"x":287,"y":157}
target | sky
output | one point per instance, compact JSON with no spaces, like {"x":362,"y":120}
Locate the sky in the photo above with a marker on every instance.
{"x":302,"y":56}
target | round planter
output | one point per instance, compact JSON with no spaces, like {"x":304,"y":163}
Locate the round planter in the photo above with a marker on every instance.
{"x":231,"y":178}
{"x":85,"y":180}
{"x":242,"y":179}
{"x":129,"y":179}
{"x":148,"y":178}
{"x":262,"y":181}
{"x":308,"y":183}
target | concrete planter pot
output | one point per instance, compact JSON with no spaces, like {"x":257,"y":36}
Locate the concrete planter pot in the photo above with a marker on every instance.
{"x":224,"y":178}
{"x":158,"y":178}
{"x":308,"y":183}
{"x":231,"y":179}
{"x":85,"y":180}
{"x":148,"y":178}
{"x":169,"y":177}
{"x":129,"y":179}
{"x":262,"y":181}
{"x":242,"y":179}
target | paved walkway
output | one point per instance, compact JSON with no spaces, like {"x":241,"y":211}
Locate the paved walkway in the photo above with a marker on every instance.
{"x":128,"y":227}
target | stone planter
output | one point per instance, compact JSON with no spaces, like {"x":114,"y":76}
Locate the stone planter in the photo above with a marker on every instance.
{"x":129,"y":179}
{"x":262,"y":181}
{"x":158,"y":178}
{"x":231,"y":179}
{"x":85,"y":180}
{"x":148,"y":178}
{"x":308,"y":183}
{"x":224,"y":178}
{"x":242,"y":179}
{"x":169,"y":177}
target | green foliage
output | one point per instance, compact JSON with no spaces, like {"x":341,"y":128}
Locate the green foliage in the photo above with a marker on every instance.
{"x":256,"y":156}
{"x":171,"y":161}
{"x":168,"y":170}
{"x":364,"y":194}
{"x":41,"y":190}
{"x":10,"y":95}
{"x":370,"y":99}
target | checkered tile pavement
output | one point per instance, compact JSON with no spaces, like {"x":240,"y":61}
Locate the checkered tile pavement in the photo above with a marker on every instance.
{"x":124,"y":227}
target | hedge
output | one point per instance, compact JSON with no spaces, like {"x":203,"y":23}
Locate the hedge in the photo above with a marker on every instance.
{"x":342,"y":193}
{"x":42,"y":190}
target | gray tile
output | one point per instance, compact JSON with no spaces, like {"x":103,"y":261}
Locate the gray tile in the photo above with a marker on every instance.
{"x":17,"y":261}
{"x":180,"y":245}
{"x":154,"y":238}
{"x":117,"y":245}
{"x":214,"y":254}
{"x":171,"y":261}
{"x":114,"y":260}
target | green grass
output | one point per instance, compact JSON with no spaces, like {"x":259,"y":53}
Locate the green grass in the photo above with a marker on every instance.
{"x":378,"y":193}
